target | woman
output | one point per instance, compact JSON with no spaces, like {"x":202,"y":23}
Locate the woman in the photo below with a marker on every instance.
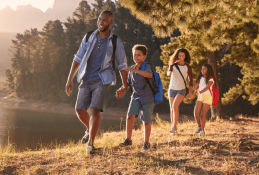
{"x":177,"y":88}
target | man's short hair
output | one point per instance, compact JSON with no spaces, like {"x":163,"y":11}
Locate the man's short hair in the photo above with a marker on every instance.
{"x":107,"y":12}
{"x":142,"y":48}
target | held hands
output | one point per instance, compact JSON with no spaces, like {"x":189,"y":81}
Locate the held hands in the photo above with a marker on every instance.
{"x":169,"y":73}
{"x":191,"y":96}
{"x":69,"y":87}
{"x":121,"y":91}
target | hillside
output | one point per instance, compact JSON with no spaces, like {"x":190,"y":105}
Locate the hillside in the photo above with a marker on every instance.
{"x":27,"y":16}
{"x":229,"y":147}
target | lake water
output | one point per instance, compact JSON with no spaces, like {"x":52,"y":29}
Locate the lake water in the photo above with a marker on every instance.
{"x":27,"y":128}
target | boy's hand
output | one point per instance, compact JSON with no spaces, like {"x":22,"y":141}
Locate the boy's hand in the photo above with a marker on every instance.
{"x":130,"y":69}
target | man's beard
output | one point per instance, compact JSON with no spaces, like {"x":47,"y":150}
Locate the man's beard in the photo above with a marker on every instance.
{"x":105,"y":28}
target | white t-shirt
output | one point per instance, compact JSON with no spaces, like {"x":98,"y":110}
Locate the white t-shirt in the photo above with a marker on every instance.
{"x":176,"y":82}
{"x":203,"y":85}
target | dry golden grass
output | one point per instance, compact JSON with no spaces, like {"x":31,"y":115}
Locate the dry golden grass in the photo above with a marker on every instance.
{"x":229,"y":147}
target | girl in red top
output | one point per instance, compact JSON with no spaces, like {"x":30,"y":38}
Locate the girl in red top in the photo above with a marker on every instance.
{"x":177,"y":91}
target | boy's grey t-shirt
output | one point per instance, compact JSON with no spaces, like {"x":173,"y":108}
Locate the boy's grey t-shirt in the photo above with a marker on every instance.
{"x":138,"y":83}
{"x":95,"y":61}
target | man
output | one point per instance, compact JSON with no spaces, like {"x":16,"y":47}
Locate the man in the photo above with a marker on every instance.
{"x":93,"y":62}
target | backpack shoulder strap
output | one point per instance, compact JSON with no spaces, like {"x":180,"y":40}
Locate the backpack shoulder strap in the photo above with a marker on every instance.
{"x":88,"y":35}
{"x":129,"y":82}
{"x":143,"y":66}
{"x":177,"y":67}
{"x":114,"y":43}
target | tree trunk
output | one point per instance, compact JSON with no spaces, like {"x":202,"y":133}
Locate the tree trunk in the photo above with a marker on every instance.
{"x":216,"y":111}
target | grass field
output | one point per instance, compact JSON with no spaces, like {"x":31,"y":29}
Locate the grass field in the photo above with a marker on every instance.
{"x":229,"y":147}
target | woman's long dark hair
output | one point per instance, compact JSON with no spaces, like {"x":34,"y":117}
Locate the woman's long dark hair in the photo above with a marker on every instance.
{"x":174,"y":57}
{"x":210,"y":73}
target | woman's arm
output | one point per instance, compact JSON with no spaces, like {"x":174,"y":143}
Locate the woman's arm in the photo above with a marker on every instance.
{"x":191,"y":80}
{"x":170,"y":70}
{"x":194,"y":92}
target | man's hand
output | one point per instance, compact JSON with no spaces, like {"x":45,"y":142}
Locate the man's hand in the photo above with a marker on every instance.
{"x":69,"y":87}
{"x":121,"y":91}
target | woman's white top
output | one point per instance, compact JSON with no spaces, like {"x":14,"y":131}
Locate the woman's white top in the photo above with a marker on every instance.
{"x":176,"y":81}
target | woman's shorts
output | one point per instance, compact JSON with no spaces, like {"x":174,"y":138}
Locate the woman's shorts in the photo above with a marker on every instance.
{"x":205,"y":98}
{"x":173,"y":93}
{"x":146,"y":110}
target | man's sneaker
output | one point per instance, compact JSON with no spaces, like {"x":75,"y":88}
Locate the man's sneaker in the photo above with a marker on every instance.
{"x":90,"y":149}
{"x":198,"y":130}
{"x":173,"y":130}
{"x":126,"y":143}
{"x":85,"y":137}
{"x":146,"y":146}
{"x":202,"y":133}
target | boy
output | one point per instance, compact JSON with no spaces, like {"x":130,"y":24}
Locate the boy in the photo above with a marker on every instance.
{"x":142,"y":96}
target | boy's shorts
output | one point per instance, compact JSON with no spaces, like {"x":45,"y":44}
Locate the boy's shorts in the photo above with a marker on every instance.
{"x":205,"y":98}
{"x":173,"y":93}
{"x":93,"y":94}
{"x":146,"y":110}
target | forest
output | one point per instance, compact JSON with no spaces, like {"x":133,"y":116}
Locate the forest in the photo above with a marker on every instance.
{"x":224,"y":34}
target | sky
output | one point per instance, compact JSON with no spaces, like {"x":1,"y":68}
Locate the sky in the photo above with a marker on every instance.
{"x":40,"y":4}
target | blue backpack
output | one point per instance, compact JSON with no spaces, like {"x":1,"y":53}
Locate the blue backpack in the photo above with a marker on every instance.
{"x":155,"y":85}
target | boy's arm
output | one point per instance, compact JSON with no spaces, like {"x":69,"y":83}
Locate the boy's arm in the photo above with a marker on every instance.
{"x":140,"y":72}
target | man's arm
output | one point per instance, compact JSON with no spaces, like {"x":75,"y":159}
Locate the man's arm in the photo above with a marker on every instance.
{"x":122,"y":65}
{"x":124,"y":76}
{"x":74,"y":68}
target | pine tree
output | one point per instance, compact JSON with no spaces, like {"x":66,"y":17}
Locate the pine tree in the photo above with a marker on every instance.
{"x":208,"y":29}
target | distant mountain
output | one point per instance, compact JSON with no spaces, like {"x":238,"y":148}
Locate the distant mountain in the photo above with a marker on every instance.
{"x":26,"y":16}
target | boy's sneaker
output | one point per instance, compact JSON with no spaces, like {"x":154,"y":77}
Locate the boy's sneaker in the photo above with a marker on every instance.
{"x":85,"y":137}
{"x":173,"y":130}
{"x":202,"y":133}
{"x":126,"y":143}
{"x":198,"y":130}
{"x":90,"y":149}
{"x":146,"y":146}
